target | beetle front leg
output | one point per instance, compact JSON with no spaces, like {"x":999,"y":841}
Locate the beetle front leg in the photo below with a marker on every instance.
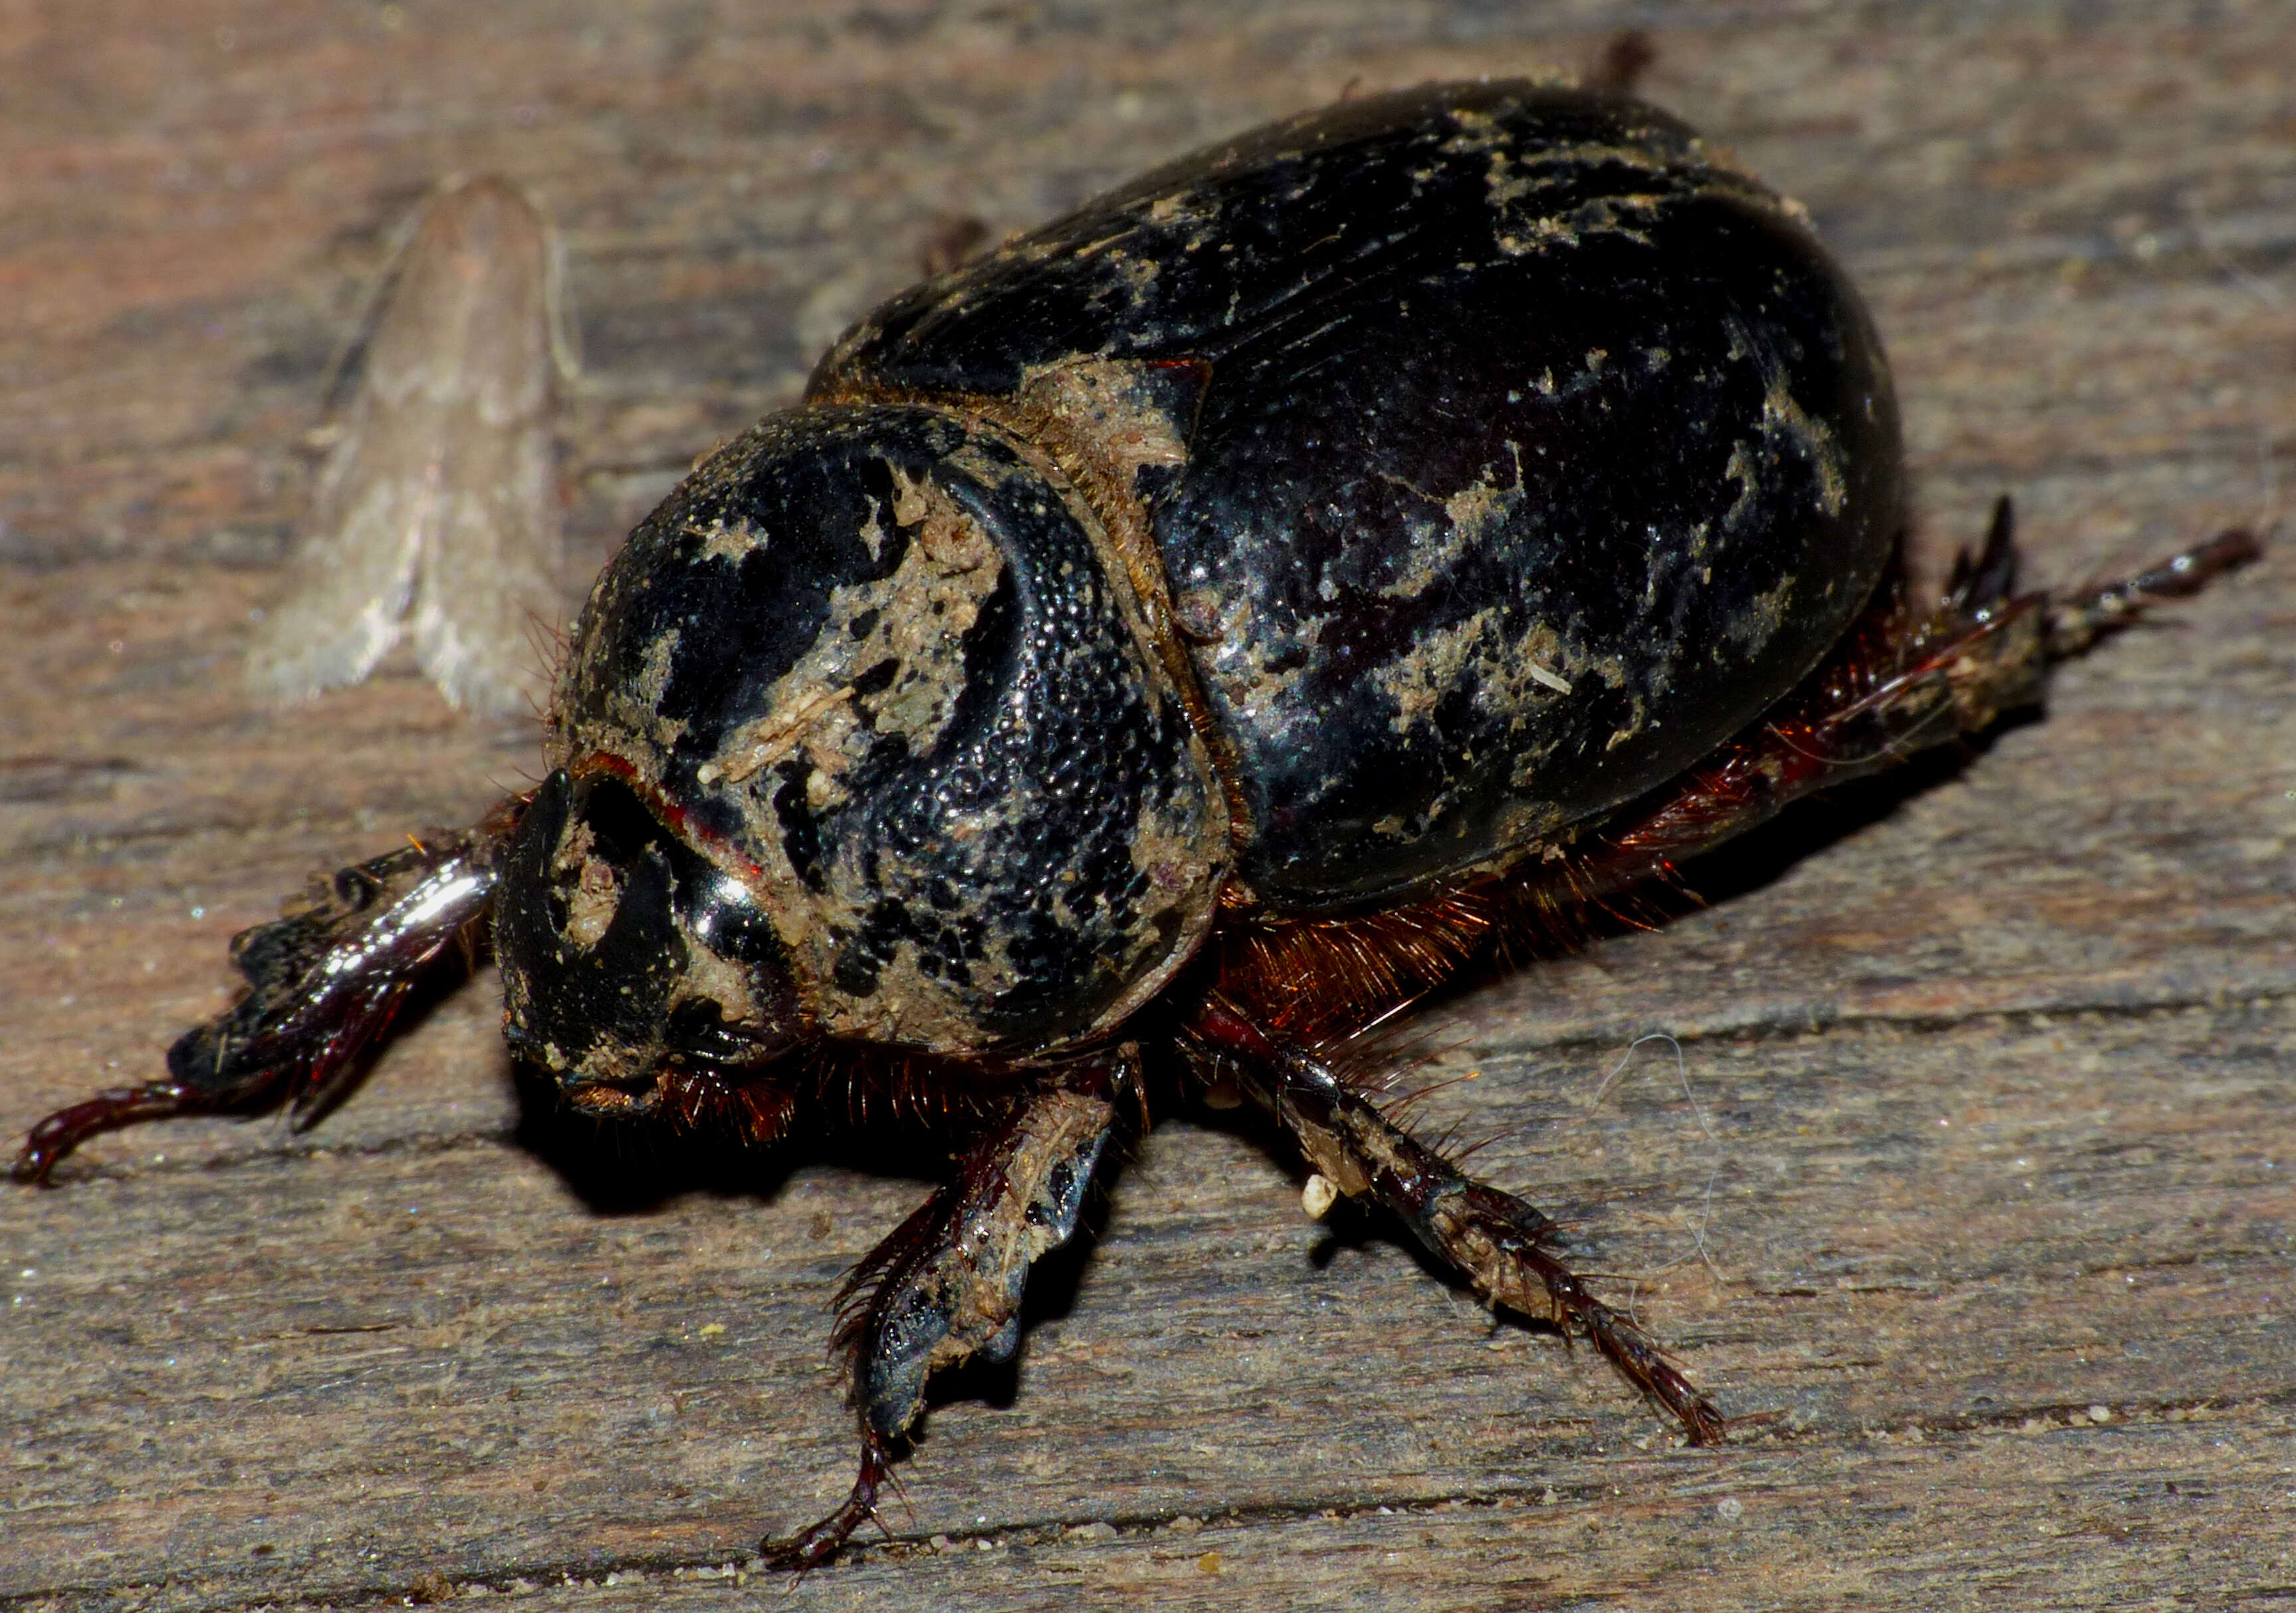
{"x":946,"y":1285}
{"x":1502,"y":1245}
{"x":324,"y":983}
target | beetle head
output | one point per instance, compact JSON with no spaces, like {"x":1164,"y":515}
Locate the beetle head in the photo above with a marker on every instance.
{"x":629,"y":957}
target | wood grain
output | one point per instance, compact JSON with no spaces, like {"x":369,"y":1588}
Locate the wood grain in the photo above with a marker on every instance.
{"x":1973,"y":1171}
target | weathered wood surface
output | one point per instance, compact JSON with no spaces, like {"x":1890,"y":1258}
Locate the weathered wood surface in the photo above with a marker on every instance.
{"x":1985,"y":1189}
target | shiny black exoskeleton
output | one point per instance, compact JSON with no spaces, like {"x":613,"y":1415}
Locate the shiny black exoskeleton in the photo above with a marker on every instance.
{"x":1357,"y":507}
{"x":1500,"y":451}
{"x":1174,"y":640}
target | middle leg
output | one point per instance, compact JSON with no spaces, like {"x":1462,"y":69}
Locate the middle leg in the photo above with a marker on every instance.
{"x":1501,"y":1245}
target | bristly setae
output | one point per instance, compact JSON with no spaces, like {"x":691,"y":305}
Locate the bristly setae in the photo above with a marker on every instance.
{"x":1172,"y":641}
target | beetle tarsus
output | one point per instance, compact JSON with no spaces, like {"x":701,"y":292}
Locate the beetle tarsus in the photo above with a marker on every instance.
{"x":1501,"y":1245}
{"x":2075,"y":623}
{"x":65,"y":1130}
{"x":813,"y":1546}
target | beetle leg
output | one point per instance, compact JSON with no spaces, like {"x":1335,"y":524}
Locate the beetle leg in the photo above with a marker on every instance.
{"x":324,"y":983}
{"x":1899,"y":685}
{"x":1501,"y":1245}
{"x":2078,"y":621}
{"x":946,"y":1285}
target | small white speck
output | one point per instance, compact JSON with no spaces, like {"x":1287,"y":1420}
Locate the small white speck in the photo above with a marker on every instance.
{"x":199,"y":912}
{"x":1729,"y":1509}
{"x":1553,"y":680}
{"x":1318,"y":1195}
{"x":29,"y":1272}
{"x":2101,"y":1413}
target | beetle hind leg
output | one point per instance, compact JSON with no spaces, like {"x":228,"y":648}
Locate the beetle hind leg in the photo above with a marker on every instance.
{"x":1900,"y":683}
{"x":1501,"y":1245}
{"x":946,"y":1285}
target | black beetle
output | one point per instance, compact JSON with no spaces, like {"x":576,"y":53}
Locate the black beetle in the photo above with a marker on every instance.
{"x":1182,"y":635}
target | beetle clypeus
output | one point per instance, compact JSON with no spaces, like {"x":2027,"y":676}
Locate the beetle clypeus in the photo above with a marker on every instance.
{"x":1178,"y":637}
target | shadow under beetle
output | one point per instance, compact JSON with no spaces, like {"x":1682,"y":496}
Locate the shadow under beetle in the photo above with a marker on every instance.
{"x":1186,"y":634}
